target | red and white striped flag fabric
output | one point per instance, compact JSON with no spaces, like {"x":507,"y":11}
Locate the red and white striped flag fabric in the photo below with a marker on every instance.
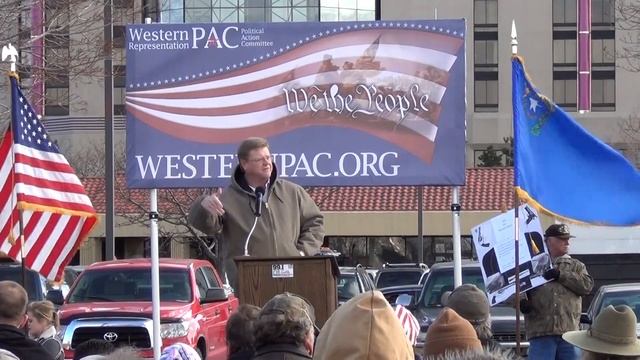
{"x":347,"y":80}
{"x":409,"y":323}
{"x":39,"y":185}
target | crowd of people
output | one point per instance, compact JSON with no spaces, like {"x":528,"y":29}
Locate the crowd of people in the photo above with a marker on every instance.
{"x":365,"y":327}
{"x":28,"y":332}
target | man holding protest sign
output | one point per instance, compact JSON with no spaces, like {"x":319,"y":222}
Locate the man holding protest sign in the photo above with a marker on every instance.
{"x":280,"y":216}
{"x":554,"y":308}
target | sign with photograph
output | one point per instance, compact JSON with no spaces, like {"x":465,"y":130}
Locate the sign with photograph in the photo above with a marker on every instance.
{"x":495,"y":247}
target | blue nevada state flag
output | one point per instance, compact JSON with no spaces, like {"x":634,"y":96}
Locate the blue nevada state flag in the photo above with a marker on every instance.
{"x":562,"y":169}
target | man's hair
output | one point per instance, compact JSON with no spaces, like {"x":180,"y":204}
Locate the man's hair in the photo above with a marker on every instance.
{"x":483,"y":330}
{"x":13,"y":301}
{"x":93,"y":347}
{"x":123,"y":353}
{"x":250,"y":144}
{"x":240,"y":328}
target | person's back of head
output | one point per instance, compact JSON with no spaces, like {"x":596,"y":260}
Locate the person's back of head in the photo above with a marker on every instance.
{"x":471,"y":303}
{"x":13,"y":303}
{"x":179,"y":351}
{"x":285,"y":319}
{"x":486,"y":354}
{"x":450,"y":333}
{"x":240,"y":329}
{"x":92,"y":347}
{"x":366,"y":326}
{"x":123,"y":353}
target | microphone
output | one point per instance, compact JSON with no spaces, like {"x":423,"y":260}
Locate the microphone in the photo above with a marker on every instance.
{"x":259,"y":194}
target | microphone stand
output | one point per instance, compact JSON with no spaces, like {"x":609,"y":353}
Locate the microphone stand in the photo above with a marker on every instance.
{"x":246,"y":243}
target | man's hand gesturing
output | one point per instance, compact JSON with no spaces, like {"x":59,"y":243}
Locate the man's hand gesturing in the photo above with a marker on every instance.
{"x":213,"y":204}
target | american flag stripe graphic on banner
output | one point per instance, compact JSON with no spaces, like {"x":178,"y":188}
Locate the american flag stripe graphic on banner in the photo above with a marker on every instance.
{"x":271,"y":94}
{"x":56,"y":212}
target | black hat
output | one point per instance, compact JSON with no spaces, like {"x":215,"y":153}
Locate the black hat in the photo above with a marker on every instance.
{"x":559,"y":231}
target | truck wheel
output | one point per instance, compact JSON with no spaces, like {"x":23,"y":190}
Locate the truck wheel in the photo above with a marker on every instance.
{"x":201,"y":349}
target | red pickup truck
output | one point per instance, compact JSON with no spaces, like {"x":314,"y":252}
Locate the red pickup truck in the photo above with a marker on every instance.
{"x":112,"y":301}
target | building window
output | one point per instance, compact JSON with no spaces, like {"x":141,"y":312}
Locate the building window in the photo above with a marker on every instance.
{"x":57,"y":55}
{"x":603,"y":12}
{"x":119,"y":89}
{"x":485,"y":55}
{"x":347,"y":10}
{"x":564,"y":51}
{"x":602,"y":54}
{"x":564,"y":92}
{"x":239,"y":11}
{"x":565,"y":12}
{"x":565,"y":54}
{"x":56,"y":101}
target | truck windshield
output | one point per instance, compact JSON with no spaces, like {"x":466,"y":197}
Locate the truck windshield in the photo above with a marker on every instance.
{"x":398,"y":278}
{"x":441,"y":281}
{"x":130,"y":285}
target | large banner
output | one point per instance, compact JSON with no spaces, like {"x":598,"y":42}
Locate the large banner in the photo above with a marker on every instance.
{"x":494,"y":243}
{"x":349,"y":103}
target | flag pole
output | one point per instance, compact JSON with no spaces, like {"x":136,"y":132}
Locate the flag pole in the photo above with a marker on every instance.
{"x":10,"y":52}
{"x":457,"y":248}
{"x":155,"y":264}
{"x":21,"y":237}
{"x":516,"y":204}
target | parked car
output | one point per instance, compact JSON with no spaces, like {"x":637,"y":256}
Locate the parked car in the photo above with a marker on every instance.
{"x":353,"y":281}
{"x":616,"y":294}
{"x":35,"y":284}
{"x":400,"y":274}
{"x":72,"y":272}
{"x":112,"y":301}
{"x":372,"y":272}
{"x":391,"y":293}
{"x":427,"y":305}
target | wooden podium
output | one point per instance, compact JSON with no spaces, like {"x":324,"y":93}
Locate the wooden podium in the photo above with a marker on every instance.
{"x":312,"y":277}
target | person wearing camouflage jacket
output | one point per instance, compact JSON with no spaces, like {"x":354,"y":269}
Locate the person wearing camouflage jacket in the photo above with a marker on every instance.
{"x":554,"y":308}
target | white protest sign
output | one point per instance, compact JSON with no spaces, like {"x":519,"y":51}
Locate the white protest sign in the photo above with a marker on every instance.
{"x":494,"y":242}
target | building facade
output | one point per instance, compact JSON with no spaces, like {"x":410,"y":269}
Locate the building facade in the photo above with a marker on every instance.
{"x":74,"y":111}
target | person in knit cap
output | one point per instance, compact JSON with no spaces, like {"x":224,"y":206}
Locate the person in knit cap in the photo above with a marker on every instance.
{"x":472,"y":304}
{"x":449,"y":334}
{"x":365,"y":327}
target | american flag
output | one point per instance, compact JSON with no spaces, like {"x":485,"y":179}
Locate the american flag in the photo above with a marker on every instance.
{"x":228,"y":106}
{"x":409,"y":323}
{"x":39,"y":185}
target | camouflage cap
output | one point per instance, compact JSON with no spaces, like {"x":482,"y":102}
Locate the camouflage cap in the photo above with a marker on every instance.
{"x":291,"y":306}
{"x":469,"y":302}
{"x":559,"y":231}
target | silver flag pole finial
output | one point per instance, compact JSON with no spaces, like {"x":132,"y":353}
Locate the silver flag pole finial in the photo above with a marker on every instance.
{"x":8,"y":51}
{"x":514,"y":39}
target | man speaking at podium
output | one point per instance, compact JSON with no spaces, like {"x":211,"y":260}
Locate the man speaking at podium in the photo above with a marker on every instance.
{"x":280,"y":216}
